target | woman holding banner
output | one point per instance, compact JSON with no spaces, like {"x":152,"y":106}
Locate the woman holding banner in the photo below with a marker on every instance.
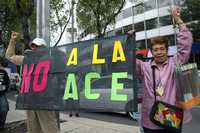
{"x":164,"y":69}
{"x":37,"y":121}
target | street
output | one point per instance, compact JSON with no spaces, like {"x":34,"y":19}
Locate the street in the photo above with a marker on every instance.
{"x":91,"y":122}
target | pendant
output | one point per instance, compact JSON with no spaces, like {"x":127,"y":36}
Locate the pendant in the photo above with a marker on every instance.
{"x":160,"y":91}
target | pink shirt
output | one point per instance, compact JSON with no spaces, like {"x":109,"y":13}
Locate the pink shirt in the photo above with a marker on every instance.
{"x":165,"y":74}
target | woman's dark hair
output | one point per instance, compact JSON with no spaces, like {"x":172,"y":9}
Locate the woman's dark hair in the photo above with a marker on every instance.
{"x":159,"y":40}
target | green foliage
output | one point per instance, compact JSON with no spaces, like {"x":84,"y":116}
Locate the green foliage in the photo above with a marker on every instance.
{"x":17,"y":15}
{"x":20,"y":16}
{"x":59,"y":14}
{"x":95,"y":15}
{"x":191,"y":14}
{"x":8,"y":20}
{"x":25,"y":10}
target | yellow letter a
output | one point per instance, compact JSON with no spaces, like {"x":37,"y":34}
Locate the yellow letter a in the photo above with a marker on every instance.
{"x":73,"y":59}
{"x":118,"y":49}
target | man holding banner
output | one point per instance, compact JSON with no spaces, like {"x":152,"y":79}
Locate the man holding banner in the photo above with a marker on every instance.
{"x":37,"y":121}
{"x":164,"y":69}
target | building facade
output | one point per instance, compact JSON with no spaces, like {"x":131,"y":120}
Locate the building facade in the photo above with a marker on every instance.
{"x":149,"y":18}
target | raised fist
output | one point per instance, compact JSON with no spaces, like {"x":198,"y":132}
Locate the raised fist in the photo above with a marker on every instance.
{"x":14,"y":35}
{"x":176,"y":12}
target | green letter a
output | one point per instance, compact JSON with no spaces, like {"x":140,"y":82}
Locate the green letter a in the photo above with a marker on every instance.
{"x":71,"y":88}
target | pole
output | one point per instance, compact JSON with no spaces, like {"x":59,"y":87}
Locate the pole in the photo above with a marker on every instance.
{"x":45,"y":11}
{"x":158,"y":18}
{"x":43,"y":20}
{"x":172,"y":3}
{"x":72,"y":30}
{"x":145,"y":27}
{"x":39,"y":20}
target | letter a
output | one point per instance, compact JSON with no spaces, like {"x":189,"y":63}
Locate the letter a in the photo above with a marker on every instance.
{"x":71,"y":88}
{"x":118,"y":49}
{"x":73,"y":58}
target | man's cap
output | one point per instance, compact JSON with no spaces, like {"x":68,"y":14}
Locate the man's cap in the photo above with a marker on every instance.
{"x":39,"y":42}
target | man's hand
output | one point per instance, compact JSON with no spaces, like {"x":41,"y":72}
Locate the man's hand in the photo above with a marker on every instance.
{"x":14,"y":35}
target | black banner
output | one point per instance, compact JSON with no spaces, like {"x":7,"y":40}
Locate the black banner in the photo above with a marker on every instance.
{"x":95,"y":75}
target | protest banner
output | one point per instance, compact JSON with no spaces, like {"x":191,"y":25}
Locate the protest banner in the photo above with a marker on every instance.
{"x":93,"y":75}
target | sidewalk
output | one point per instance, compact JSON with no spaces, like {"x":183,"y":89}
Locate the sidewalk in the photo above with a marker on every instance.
{"x":84,"y":125}
{"x":76,"y":125}
{"x":14,"y":115}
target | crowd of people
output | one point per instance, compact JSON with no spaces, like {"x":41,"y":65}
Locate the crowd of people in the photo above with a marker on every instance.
{"x":48,"y":121}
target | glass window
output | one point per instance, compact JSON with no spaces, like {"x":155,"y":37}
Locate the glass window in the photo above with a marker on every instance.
{"x":127,"y":28}
{"x":140,"y":44}
{"x":163,"y":3}
{"x":139,"y":9}
{"x":150,"y":4}
{"x":127,"y":13}
{"x":119,"y":31}
{"x":151,"y":24}
{"x":166,"y":20}
{"x":178,"y":2}
{"x":149,"y":43}
{"x":139,"y":26}
{"x":171,"y":40}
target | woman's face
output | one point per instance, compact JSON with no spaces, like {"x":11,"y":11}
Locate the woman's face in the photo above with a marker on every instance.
{"x":159,"y":52}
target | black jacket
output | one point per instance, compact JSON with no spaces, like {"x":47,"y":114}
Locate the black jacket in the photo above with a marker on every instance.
{"x":4,"y":80}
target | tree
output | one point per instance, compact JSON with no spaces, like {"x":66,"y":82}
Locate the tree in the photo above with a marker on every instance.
{"x":191,"y":14}
{"x":94,"y":16}
{"x":59,"y":17}
{"x":17,"y":15}
{"x":20,"y":16}
{"x":26,"y":11}
{"x":8,"y":21}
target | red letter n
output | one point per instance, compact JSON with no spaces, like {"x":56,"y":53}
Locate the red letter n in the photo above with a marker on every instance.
{"x":26,"y":78}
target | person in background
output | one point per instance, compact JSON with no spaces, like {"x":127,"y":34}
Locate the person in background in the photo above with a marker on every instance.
{"x":4,"y":85}
{"x":71,"y":113}
{"x":37,"y":121}
{"x":75,"y":106}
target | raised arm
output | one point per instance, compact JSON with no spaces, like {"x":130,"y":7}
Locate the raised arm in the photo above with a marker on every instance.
{"x":184,"y":44}
{"x":10,"y":52}
{"x":184,"y":39}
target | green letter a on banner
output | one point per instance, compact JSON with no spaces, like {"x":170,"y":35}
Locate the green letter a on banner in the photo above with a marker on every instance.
{"x":71,"y":88}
